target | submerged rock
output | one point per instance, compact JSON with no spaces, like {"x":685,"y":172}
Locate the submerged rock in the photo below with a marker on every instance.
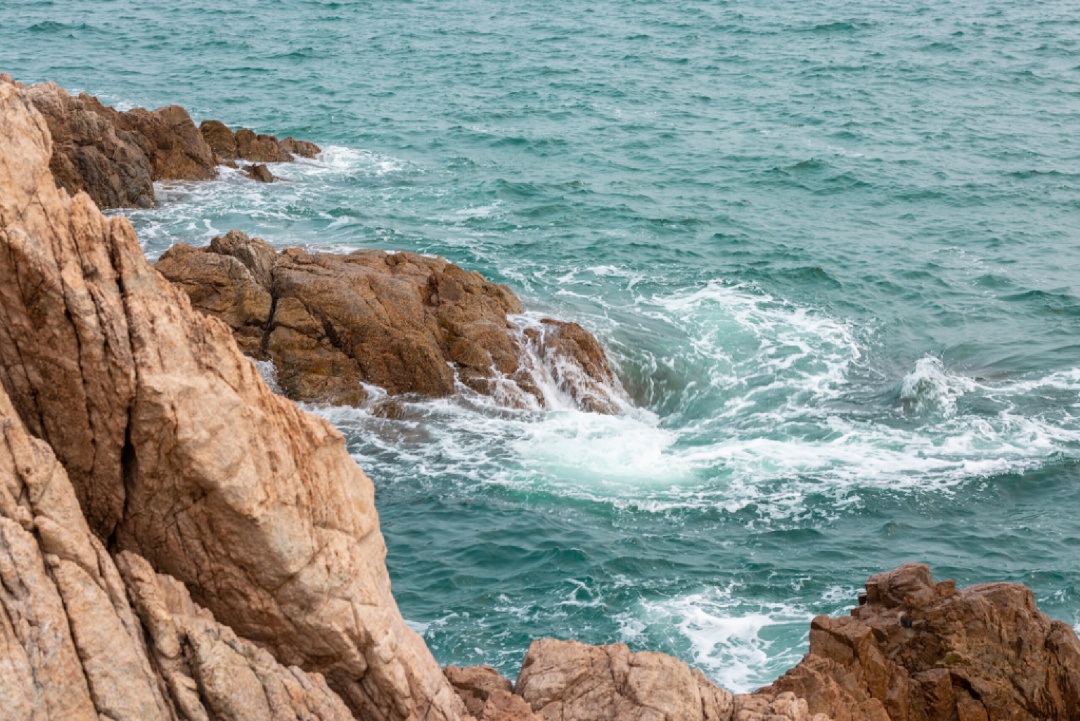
{"x":259,"y":172}
{"x":178,"y":453}
{"x":401,"y":321}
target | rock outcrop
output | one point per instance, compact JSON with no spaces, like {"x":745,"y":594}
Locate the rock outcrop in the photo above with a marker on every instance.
{"x":245,"y":144}
{"x":72,"y":646}
{"x":115,"y":156}
{"x":401,"y":321}
{"x":179,"y":453}
{"x":920,"y":651}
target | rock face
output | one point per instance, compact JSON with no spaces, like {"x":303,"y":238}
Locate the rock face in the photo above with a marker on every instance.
{"x":180,"y":454}
{"x":571,"y":681}
{"x":404,"y":322}
{"x":920,"y":651}
{"x":244,"y":144}
{"x":72,"y":647}
{"x":115,"y":156}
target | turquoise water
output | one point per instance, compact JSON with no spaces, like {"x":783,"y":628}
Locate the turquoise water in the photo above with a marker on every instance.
{"x":831,"y":247}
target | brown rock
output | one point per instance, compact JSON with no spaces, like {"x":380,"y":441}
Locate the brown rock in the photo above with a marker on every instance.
{"x":260,"y":148}
{"x":567,"y":680}
{"x":404,"y":322}
{"x":91,"y":153}
{"x":259,"y":172}
{"x":917,"y":650}
{"x":70,"y":646}
{"x":244,"y":144}
{"x":220,"y":138}
{"x":303,"y":148}
{"x":476,"y":684}
{"x":115,"y":156}
{"x":180,"y":453}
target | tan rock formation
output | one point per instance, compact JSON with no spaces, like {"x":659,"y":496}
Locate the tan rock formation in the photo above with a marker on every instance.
{"x":178,"y":452}
{"x":71,"y":646}
{"x":245,"y":144}
{"x":407,"y":323}
{"x":487,"y":695}
{"x":571,"y":681}
{"x":920,"y":651}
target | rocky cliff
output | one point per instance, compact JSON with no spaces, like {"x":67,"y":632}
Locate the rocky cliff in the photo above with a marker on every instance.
{"x":178,"y":542}
{"x":178,"y":452}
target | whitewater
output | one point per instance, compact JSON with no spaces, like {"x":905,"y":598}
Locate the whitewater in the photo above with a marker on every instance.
{"x":831,"y":248}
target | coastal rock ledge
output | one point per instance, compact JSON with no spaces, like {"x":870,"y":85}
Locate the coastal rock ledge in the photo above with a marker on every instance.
{"x":177,"y":542}
{"x":407,"y":323}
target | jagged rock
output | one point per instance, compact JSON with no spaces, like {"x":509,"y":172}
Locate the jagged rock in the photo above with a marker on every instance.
{"x":259,"y":172}
{"x":178,"y":451}
{"x":245,"y":144}
{"x":782,"y":707}
{"x":209,"y":671}
{"x":405,"y":322}
{"x":92,"y":154}
{"x":487,"y":695}
{"x":115,"y":156}
{"x":571,"y":681}
{"x":303,"y":148}
{"x":71,"y":647}
{"x":920,"y":651}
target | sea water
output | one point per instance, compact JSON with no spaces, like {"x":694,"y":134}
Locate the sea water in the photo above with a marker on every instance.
{"x":831,"y":247}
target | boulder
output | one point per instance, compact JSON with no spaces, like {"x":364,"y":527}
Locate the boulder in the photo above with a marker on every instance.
{"x":178,"y":453}
{"x":401,"y":321}
{"x":487,"y":695}
{"x":259,"y":172}
{"x":919,"y":650}
{"x":245,"y":144}
{"x":571,"y":681}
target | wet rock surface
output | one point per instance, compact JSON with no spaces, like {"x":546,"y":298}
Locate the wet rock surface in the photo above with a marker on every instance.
{"x":245,"y":144}
{"x":404,"y":322}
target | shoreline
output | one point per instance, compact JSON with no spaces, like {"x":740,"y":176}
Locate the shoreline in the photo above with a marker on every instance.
{"x":392,"y":699}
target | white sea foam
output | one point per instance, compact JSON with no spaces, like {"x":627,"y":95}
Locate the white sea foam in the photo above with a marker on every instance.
{"x":739,"y":645}
{"x":929,"y":388}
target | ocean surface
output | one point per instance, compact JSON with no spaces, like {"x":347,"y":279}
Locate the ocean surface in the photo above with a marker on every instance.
{"x":832,"y":248}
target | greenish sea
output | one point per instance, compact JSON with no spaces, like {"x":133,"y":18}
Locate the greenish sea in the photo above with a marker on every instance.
{"x":832,"y":248}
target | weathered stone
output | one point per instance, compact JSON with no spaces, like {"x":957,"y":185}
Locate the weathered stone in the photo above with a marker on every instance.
{"x":260,"y":148}
{"x":208,"y":670}
{"x":571,"y":681}
{"x":303,"y":148}
{"x":926,"y":651}
{"x":181,"y":454}
{"x":475,"y":684}
{"x":259,"y":172}
{"x":404,"y":322}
